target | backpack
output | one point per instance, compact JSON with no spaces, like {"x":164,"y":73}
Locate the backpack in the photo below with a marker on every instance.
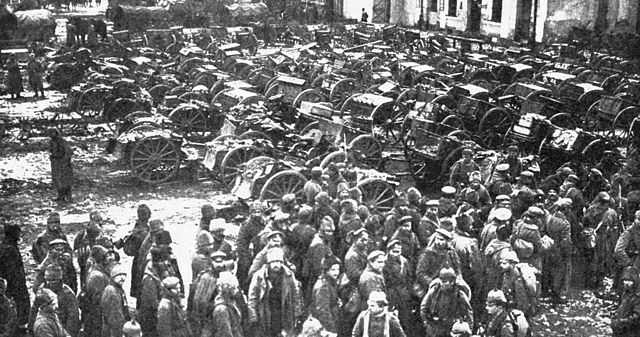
{"x":520,"y":324}
{"x":522,"y":247}
{"x":529,"y":277}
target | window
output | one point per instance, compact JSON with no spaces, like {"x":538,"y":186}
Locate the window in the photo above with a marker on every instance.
{"x":496,"y":11}
{"x":433,"y":5}
{"x":453,"y":10}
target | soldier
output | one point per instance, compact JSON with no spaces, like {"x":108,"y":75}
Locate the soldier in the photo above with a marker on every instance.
{"x":349,"y":222}
{"x":515,"y":165}
{"x":501,"y":217}
{"x":68,"y":311}
{"x":558,"y":256}
{"x":172,"y":320}
{"x":325,"y":303}
{"x":47,"y":323}
{"x":526,"y":238}
{"x":461,"y":169}
{"x":499,"y":182}
{"x":446,"y":302}
{"x":313,"y":186}
{"x":97,"y":281}
{"x":429,"y":222}
{"x":626,"y":318}
{"x":60,"y":154}
{"x":204,"y":292}
{"x":493,"y":255}
{"x":113,"y":304}
{"x":8,"y":315}
{"x":627,"y":248}
{"x":398,"y":278}
{"x":35,"y":71}
{"x":436,"y":256}
{"x":447,"y":205}
{"x":85,"y":240}
{"x":503,"y":321}
{"x":274,"y":288}
{"x":376,"y":320}
{"x":228,"y":315}
{"x":40,"y":247}
{"x":204,"y":235}
{"x":301,"y":235}
{"x":247,"y":235}
{"x":466,"y":248}
{"x":12,"y":271}
{"x":514,"y":286}
{"x":372,"y":278}
{"x":409,"y":240}
{"x":355,"y":262}
{"x":59,"y":255}
{"x":319,"y":249}
{"x":156,"y":227}
{"x":217,"y":230}
{"x":602,"y":222}
{"x":152,"y":292}
{"x":322,"y":208}
{"x":131,"y":246}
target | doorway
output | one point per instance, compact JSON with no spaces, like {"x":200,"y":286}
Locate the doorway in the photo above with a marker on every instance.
{"x":523,"y":20}
{"x":381,"y":11}
{"x":475,"y":16}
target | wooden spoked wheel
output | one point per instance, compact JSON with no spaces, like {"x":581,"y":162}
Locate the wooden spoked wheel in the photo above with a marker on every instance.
{"x":281,"y":183}
{"x":232,"y":162}
{"x":191,"y":123}
{"x":367,"y":150}
{"x":377,"y":194}
{"x":91,"y":102}
{"x":155,"y":159}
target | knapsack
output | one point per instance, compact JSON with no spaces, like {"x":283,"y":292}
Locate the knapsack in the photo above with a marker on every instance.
{"x":519,"y":321}
{"x":530,"y":280}
{"x":522,"y":247}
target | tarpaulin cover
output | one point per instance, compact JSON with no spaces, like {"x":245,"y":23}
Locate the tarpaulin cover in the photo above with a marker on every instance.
{"x":37,"y":18}
{"x":247,"y":9}
{"x":149,"y":13}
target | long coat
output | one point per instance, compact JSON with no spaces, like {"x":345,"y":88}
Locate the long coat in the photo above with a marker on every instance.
{"x":439,"y":309}
{"x":60,"y":154}
{"x":626,"y":319}
{"x":370,"y":280}
{"x":226,"y":319}
{"x":12,"y":270}
{"x":115,"y":311}
{"x":48,"y":325}
{"x":8,"y":316}
{"x":13,"y":81}
{"x":68,"y":312}
{"x":432,"y":260}
{"x":97,"y":281}
{"x":325,"y":303}
{"x":172,"y":320}
{"x":132,"y":248}
{"x":258,"y":300}
{"x":150,"y":296}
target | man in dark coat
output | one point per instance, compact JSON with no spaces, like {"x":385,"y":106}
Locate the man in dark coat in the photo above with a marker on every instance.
{"x":319,"y":249}
{"x":113,"y":304}
{"x":85,"y":240}
{"x":97,"y":281}
{"x":59,"y":255}
{"x":47,"y":323}
{"x":447,"y":204}
{"x":68,"y":311}
{"x":171,"y":320}
{"x":626,"y":319}
{"x":355,"y":262}
{"x":152,"y":292}
{"x":8,"y":316}
{"x":628,"y":245}
{"x":445,"y":302}
{"x":204,"y":293}
{"x":274,"y":298}
{"x":429,"y":223}
{"x":35,"y":71}
{"x":12,"y":270}
{"x":376,"y":320}
{"x":300,"y":237}
{"x":325,"y":304}
{"x":131,"y":246}
{"x":247,"y":235}
{"x":558,"y":256}
{"x":322,"y":208}
{"x":372,"y":278}
{"x":227,"y":319}
{"x":60,"y":154}
{"x":40,"y":246}
{"x":397,"y":274}
{"x":436,"y":256}
{"x":461,"y":170}
{"x":313,"y":186}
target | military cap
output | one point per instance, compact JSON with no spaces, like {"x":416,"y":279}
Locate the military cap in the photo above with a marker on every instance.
{"x":503,"y":197}
{"x":433,"y":202}
{"x":444,"y":233}
{"x":502,"y":214}
{"x":448,"y":190}
{"x":374,"y":255}
{"x":496,"y":296}
{"x":406,"y":218}
{"x":218,"y":255}
{"x":447,"y":274}
{"x":170,"y":282}
{"x":393,"y":242}
{"x":502,"y":167}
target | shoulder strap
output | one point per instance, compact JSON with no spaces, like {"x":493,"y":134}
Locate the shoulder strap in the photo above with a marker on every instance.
{"x":514,"y":321}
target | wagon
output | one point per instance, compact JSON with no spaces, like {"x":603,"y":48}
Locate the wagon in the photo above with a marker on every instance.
{"x":611,"y":116}
{"x":269,"y":179}
{"x":137,"y":18}
{"x":230,"y":97}
{"x":294,"y":91}
{"x":226,"y":155}
{"x":35,"y":25}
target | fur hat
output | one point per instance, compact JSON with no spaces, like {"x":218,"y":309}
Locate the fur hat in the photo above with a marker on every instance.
{"x":156,"y":225}
{"x":164,"y":238}
{"x":447,"y":274}
{"x":374,"y":255}
{"x":95,"y":216}
{"x":46,"y":296}
{"x":327,"y":224}
{"x":208,"y":211}
{"x":502,"y":214}
{"x":170,"y":282}
{"x":143,"y":211}
{"x":53,"y":218}
{"x":496,"y":297}
{"x":275,"y":254}
{"x":99,"y":253}
{"x":329,"y":262}
{"x":378,"y":297}
{"x":158,"y":255}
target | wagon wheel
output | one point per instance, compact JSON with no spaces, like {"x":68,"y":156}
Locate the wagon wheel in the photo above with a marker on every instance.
{"x":206,"y":79}
{"x":91,"y":102}
{"x":158,"y":92}
{"x":216,"y":97}
{"x":191,"y":123}
{"x":460,"y":135}
{"x":377,"y":194}
{"x":245,"y":71}
{"x":309,"y":127}
{"x":272,"y":90}
{"x":420,"y":168}
{"x":317,"y":82}
{"x":252,"y":134}
{"x":222,"y":138}
{"x":610,"y":83}
{"x":154,"y":159}
{"x":137,"y":115}
{"x":144,"y":126}
{"x":388,"y":118}
{"x":251,"y":100}
{"x":563,"y":120}
{"x":405,"y":77}
{"x":281,"y":183}
{"x":588,"y":98}
{"x":231,"y":165}
{"x":442,"y":106}
{"x":451,"y":122}
{"x":447,"y":164}
{"x":64,"y":125}
{"x":308,"y":95}
{"x":407,"y":98}
{"x":65,"y":76}
{"x":366,"y":150}
{"x":336,"y":157}
{"x":622,"y":123}
{"x":191,"y":63}
{"x":592,"y":121}
{"x":493,"y":126}
{"x":120,"y":108}
{"x":341,"y":90}
{"x":254,"y":76}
